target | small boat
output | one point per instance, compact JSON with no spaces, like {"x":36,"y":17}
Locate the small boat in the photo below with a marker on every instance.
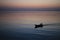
{"x":40,"y":25}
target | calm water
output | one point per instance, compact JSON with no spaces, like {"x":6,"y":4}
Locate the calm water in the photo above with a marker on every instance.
{"x":20,"y":26}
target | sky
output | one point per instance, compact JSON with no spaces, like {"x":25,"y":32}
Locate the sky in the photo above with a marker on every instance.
{"x":30,"y":18}
{"x":30,"y":3}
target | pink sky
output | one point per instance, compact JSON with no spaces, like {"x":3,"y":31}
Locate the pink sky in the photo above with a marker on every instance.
{"x":30,"y":3}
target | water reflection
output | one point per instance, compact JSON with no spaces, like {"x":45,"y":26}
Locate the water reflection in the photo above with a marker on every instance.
{"x":20,"y":26}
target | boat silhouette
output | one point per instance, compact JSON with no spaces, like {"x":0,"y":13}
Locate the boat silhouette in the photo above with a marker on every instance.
{"x":40,"y":25}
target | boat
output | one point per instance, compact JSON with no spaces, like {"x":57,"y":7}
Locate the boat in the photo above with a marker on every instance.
{"x":40,"y":25}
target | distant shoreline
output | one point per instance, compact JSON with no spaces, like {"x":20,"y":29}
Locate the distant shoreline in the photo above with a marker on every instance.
{"x":29,"y":11}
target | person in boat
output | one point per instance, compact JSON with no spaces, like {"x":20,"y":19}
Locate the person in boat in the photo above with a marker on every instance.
{"x":40,"y":25}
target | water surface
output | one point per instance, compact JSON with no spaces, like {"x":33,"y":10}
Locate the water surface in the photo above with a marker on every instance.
{"x":20,"y":25}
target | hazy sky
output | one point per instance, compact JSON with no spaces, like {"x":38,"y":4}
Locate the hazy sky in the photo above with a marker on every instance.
{"x":30,"y":3}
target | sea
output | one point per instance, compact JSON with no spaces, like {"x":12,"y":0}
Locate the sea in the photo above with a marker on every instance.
{"x":16,"y":30}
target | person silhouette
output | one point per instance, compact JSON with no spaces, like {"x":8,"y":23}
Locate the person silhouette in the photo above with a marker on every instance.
{"x":40,"y":25}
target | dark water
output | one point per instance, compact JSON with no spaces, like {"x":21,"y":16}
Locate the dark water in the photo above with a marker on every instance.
{"x":19,"y":32}
{"x":20,"y":26}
